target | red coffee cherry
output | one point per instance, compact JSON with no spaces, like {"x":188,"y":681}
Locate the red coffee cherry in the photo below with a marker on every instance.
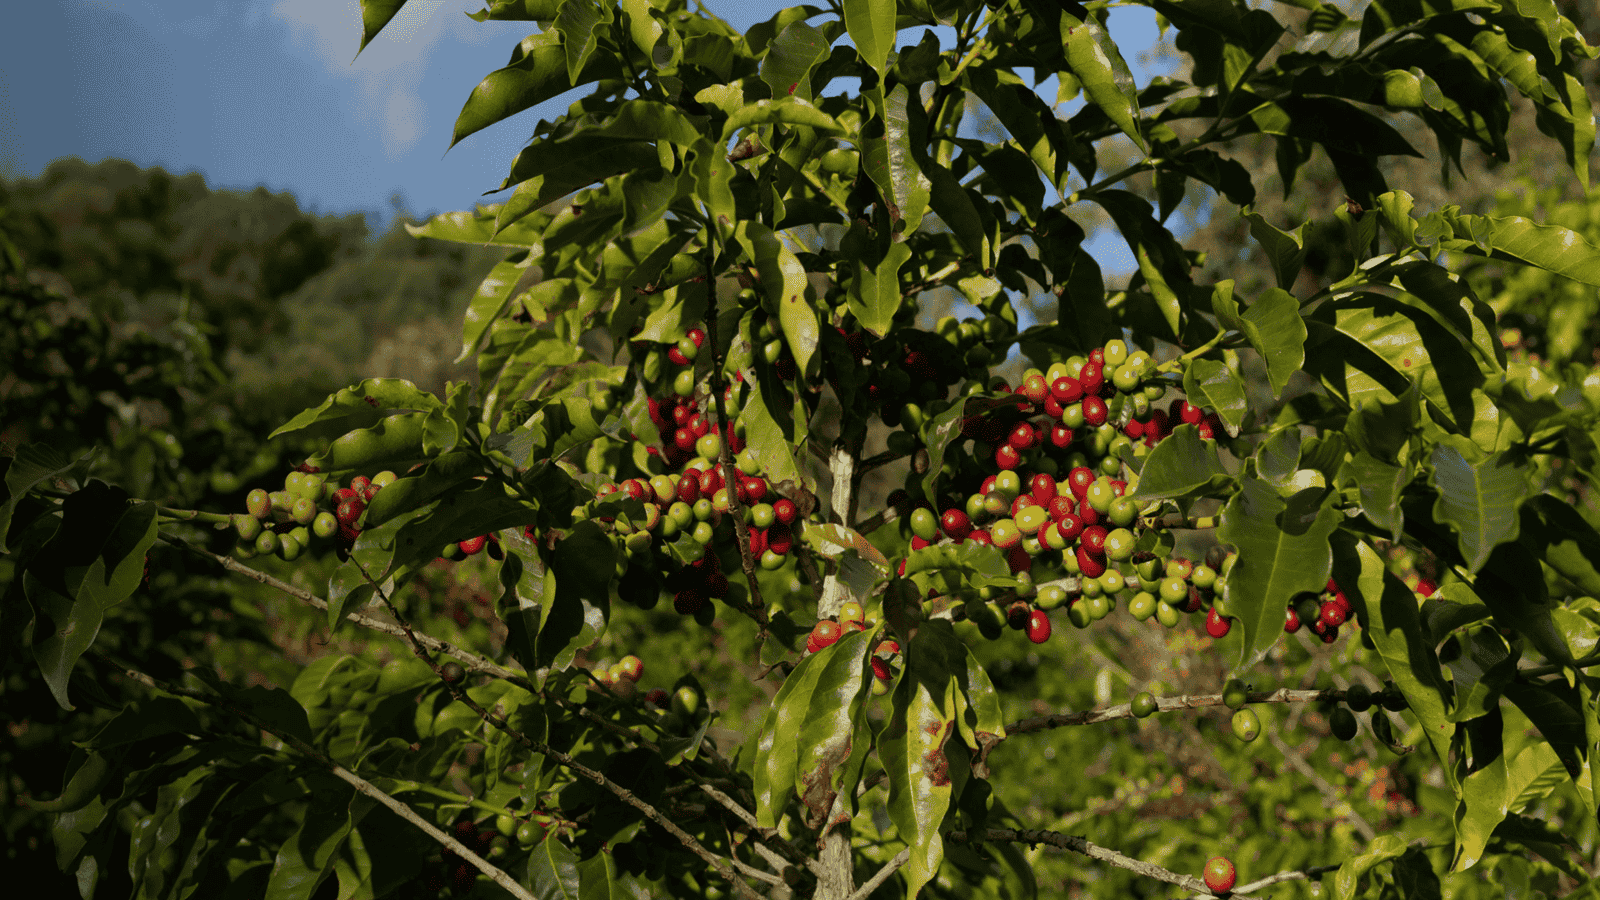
{"x":1038,"y":626}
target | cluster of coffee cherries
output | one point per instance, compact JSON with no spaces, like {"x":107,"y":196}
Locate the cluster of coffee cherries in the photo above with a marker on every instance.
{"x":673,"y":547}
{"x":1077,"y":537}
{"x":853,"y":617}
{"x":1323,"y":613}
{"x":309,"y":509}
{"x":621,"y":677}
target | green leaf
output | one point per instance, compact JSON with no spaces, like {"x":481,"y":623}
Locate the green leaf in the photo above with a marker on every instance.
{"x":1563,"y":540}
{"x":778,"y":750}
{"x":1162,"y":261}
{"x":1216,"y":386}
{"x":576,"y":611}
{"x":72,"y":582}
{"x":579,"y":24}
{"x":766,"y":439}
{"x":939,"y":432}
{"x":1479,"y":495}
{"x":829,"y":756}
{"x":1273,"y":327}
{"x":553,"y":871}
{"x":548,"y":170}
{"x":784,"y":279}
{"x":1283,"y":550}
{"x":916,"y":750}
{"x":537,"y":71}
{"x":359,"y":406}
{"x":1094,"y":58}
{"x":479,"y":226}
{"x":1557,"y":711}
{"x":891,"y":164}
{"x":1389,"y":613}
{"x":784,"y":111}
{"x":306,"y":859}
{"x":1380,"y":850}
{"x":1379,"y":485}
{"x":871,"y":27}
{"x":598,"y":879}
{"x":874,"y":294}
{"x":33,"y":465}
{"x":1180,"y":465}
{"x":395,"y":442}
{"x":1380,"y":343}
{"x":1495,"y":786}
{"x":1550,"y":247}
{"x":374,"y":15}
{"x":791,"y":57}
{"x":491,"y":301}
{"x":416,"y":490}
{"x":1521,"y":603}
{"x":981,"y":563}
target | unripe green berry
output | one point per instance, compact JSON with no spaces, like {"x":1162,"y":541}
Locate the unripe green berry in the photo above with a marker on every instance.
{"x":1342,"y":722}
{"x":1234,"y":695}
{"x":1144,"y":704}
{"x":1246,"y":725}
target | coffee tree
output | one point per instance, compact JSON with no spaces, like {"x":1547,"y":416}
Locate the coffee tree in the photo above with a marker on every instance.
{"x":713,"y":384}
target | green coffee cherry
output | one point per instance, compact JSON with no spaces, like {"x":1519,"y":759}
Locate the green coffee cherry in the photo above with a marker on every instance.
{"x":1144,"y":704}
{"x":1342,"y":722}
{"x":1246,"y":725}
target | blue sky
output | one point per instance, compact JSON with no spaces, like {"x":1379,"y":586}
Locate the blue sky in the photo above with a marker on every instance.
{"x":271,"y":92}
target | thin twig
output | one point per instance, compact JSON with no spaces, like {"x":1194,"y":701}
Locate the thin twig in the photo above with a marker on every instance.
{"x":1275,"y":878}
{"x":361,"y":785}
{"x":1093,"y":851}
{"x":882,"y":875}
{"x":1164,"y":704}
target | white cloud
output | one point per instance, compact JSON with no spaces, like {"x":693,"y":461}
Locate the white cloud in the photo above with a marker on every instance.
{"x":387,"y":75}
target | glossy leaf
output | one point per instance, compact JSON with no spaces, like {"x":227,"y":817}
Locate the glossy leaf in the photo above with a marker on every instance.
{"x":101,"y":564}
{"x":553,"y":871}
{"x":1271,"y":324}
{"x":777,"y":761}
{"x":33,"y":465}
{"x":915,"y":751}
{"x":1478,"y":496}
{"x":415,"y":490}
{"x":790,"y":59}
{"x":890,"y":163}
{"x":374,"y":15}
{"x":1495,"y":786}
{"x":1562,"y":539}
{"x":1283,"y":550}
{"x":576,"y":612}
{"x":537,"y":72}
{"x":1389,"y":614}
{"x":831,"y":719}
{"x":871,"y":27}
{"x":1379,"y":484}
{"x":359,"y":406}
{"x":580,"y":25}
{"x":874,"y":295}
{"x":1550,"y":247}
{"x":1180,"y":465}
{"x":306,"y":859}
{"x":1099,"y":66}
{"x":1216,"y":386}
{"x":1380,"y":850}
